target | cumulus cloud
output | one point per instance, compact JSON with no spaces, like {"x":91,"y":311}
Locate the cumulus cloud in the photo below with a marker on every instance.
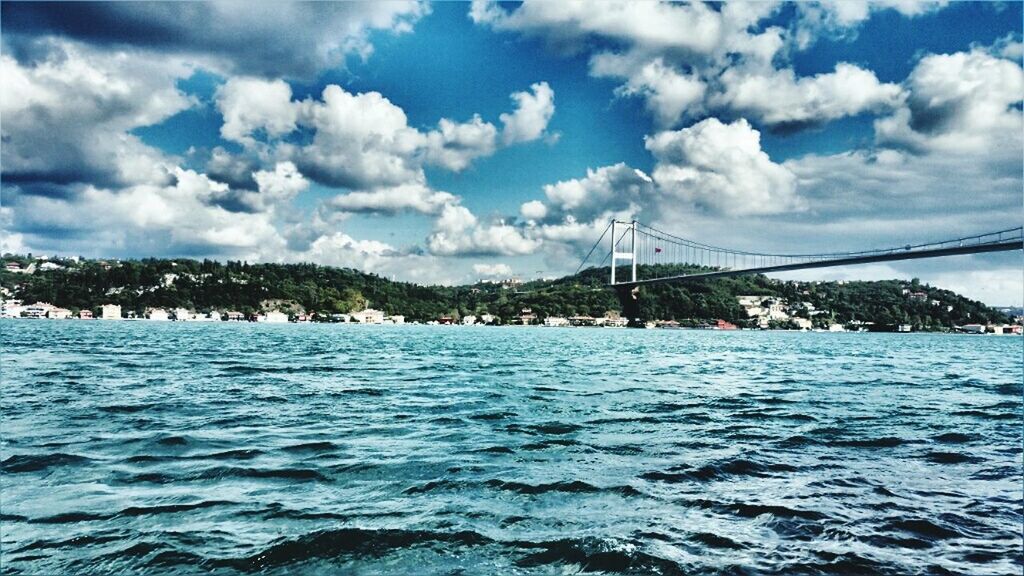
{"x":778,"y":98}
{"x":686,"y":59}
{"x":493,"y":270}
{"x":668,"y":94}
{"x":68,"y":114}
{"x":454,"y":146}
{"x":391,"y":200}
{"x":721,"y":167}
{"x":294,"y":39}
{"x":530,"y":118}
{"x":840,"y":19}
{"x":360,"y":141}
{"x":966,"y":102}
{"x":251,"y":104}
{"x":458,"y":232}
{"x":616,"y":188}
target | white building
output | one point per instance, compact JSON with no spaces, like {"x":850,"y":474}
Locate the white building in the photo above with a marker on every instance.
{"x":11,"y":308}
{"x":58,"y":313}
{"x":487,"y":319}
{"x":273,"y":317}
{"x":468,"y":320}
{"x":182,"y":314}
{"x":396,"y":319}
{"x":802,"y":323}
{"x":50,"y":266}
{"x":369,"y":316}
{"x":836,"y":328}
{"x":37,"y":310}
{"x":556,"y":321}
{"x":158,"y":314}
{"x":110,"y":312}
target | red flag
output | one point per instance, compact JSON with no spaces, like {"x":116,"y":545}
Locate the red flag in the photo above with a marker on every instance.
{"x":657,"y":250}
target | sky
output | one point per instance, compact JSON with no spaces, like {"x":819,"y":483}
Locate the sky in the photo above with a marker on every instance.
{"x":451,"y":142}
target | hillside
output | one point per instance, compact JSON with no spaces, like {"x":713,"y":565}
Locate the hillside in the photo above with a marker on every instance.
{"x":205,"y":285}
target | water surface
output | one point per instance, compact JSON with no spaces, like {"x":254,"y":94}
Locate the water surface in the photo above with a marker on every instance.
{"x":182,"y":448}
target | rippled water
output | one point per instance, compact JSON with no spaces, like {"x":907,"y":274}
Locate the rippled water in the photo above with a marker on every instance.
{"x":286,"y":449}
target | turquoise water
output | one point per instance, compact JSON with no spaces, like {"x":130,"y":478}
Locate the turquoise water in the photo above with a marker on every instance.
{"x":182,"y":448}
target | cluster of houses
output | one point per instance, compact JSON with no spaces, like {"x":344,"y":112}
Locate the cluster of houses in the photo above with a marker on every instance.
{"x":12,"y":308}
{"x":766,"y":310}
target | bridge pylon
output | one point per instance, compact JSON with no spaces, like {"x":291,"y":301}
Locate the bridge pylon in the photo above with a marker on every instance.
{"x":631,"y":255}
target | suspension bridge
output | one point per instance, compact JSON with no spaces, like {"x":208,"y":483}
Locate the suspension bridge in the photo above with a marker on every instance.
{"x":638,"y":244}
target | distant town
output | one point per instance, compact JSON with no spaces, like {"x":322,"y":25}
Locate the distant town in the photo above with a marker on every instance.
{"x":190,"y":291}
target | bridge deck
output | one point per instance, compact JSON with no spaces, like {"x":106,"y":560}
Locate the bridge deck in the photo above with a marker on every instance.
{"x":1016,"y":244}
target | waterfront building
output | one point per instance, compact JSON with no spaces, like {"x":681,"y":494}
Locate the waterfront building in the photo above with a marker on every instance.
{"x":369,"y":316}
{"x":487,"y":319}
{"x":182,"y":314}
{"x":973,"y":328}
{"x":234,"y":316}
{"x":273,"y":317}
{"x":158,"y":314}
{"x":110,"y":312}
{"x":836,"y":328}
{"x":526,"y":317}
{"x":58,"y":313}
{"x":396,"y":319}
{"x":85,"y":315}
{"x":11,"y":308}
{"x":37,"y":310}
{"x":556,"y":321}
{"x":468,"y":320}
{"x":802,"y":323}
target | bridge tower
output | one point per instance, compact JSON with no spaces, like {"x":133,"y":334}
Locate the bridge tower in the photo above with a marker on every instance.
{"x":628,"y":295}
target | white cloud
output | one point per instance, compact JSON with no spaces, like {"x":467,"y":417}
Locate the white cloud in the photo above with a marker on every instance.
{"x":839,"y":19}
{"x":780,"y":98}
{"x":530,"y":118}
{"x":458,"y":232}
{"x":614,"y":188}
{"x":293,"y":40}
{"x":668,"y":94}
{"x":360,"y":141}
{"x":251,"y":104}
{"x":363,"y":141}
{"x":281,"y":185}
{"x":721,"y":167}
{"x":393,"y":199}
{"x":454,"y":146}
{"x":493,"y":270}
{"x":533,"y":210}
{"x":963,"y":102}
{"x":67,"y":116}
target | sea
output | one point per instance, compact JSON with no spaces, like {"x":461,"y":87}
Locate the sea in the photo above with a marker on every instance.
{"x":234,"y":448}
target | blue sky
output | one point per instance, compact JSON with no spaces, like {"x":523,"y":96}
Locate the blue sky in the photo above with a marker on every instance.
{"x":462,"y":141}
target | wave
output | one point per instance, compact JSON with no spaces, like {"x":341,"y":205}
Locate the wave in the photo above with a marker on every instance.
{"x":20,"y":463}
{"x":955,"y":438}
{"x":718,"y":471}
{"x":571,"y":487}
{"x":223,"y":472}
{"x":884,"y":442}
{"x":950,"y":458}
{"x":311,"y":447}
{"x":596,"y":555}
{"x":344,"y":542}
